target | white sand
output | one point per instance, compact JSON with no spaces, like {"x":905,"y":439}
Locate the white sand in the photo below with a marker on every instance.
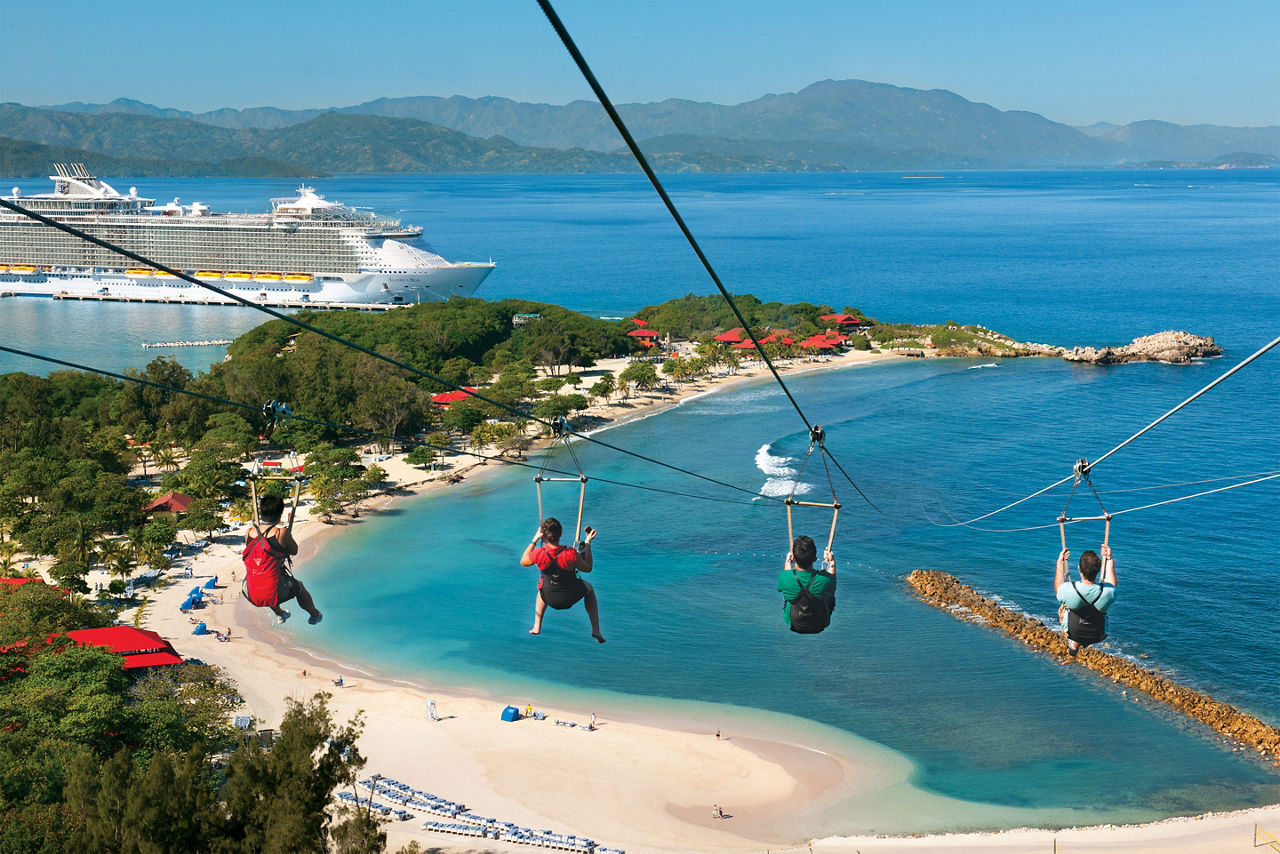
{"x":629,"y":784}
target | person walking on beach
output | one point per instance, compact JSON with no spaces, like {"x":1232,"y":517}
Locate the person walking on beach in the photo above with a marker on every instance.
{"x":559,"y":585}
{"x":1083,"y":612}
{"x":809,"y":595}
{"x":267,"y":580}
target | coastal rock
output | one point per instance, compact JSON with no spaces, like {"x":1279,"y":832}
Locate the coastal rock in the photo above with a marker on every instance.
{"x":1173,"y":347}
{"x":947,"y":592}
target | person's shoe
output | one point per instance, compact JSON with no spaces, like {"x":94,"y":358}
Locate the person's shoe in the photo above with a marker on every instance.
{"x":315,"y":618}
{"x":282,"y":617}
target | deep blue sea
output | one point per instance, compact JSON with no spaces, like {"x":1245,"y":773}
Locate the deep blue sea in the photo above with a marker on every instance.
{"x":431,"y":589}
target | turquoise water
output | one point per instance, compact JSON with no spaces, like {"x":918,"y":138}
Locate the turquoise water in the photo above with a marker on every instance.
{"x":686,"y":586}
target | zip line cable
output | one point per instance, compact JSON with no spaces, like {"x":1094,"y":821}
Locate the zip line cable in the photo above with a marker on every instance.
{"x":605,"y":102}
{"x":1144,"y":488}
{"x":75,"y":232}
{"x":344,"y":427}
{"x":1250,"y":359}
{"x":1089,"y":466}
{"x":1074,"y":519}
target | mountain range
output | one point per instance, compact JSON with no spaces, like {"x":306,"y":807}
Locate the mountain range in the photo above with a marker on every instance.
{"x":829,"y":126}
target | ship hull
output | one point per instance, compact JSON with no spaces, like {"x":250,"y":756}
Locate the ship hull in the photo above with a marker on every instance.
{"x":437,"y":283}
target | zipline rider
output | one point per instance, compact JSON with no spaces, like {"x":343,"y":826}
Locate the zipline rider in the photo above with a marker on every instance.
{"x":1084,"y":606}
{"x":807,"y":602}
{"x":559,"y":585}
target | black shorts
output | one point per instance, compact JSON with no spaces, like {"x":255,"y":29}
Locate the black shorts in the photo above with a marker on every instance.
{"x":287,"y":588}
{"x":562,"y":591}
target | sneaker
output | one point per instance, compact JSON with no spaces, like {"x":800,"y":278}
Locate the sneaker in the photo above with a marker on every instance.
{"x":317,"y":617}
{"x":283,"y":617}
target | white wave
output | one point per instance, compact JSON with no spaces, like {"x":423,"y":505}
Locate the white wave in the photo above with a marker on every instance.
{"x":781,"y":474}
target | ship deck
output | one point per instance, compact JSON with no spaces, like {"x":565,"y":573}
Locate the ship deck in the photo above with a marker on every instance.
{"x":322,"y":306}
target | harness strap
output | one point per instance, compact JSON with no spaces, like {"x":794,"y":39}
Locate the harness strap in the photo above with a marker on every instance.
{"x":1089,"y":610}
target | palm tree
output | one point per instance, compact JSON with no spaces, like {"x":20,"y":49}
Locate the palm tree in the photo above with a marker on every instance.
{"x":143,"y":453}
{"x":166,"y":459}
{"x":121,"y":564}
{"x":7,"y":551}
{"x":137,"y":545}
{"x":81,"y":545}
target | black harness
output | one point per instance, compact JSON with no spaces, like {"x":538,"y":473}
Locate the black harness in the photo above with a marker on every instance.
{"x":1086,"y":625}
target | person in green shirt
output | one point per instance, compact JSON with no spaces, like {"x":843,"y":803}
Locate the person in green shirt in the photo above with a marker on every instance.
{"x":807,"y":614}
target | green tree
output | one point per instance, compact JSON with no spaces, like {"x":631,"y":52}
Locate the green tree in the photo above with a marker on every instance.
{"x":462,"y":417}
{"x":203,"y":514}
{"x":229,"y":437}
{"x":642,"y":375}
{"x":420,"y":456}
{"x":604,"y":387}
{"x":276,"y":799}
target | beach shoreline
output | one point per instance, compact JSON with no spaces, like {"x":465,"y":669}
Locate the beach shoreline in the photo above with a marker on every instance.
{"x":673,"y":776}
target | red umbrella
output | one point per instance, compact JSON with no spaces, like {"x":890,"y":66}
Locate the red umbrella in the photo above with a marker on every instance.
{"x":447,"y":397}
{"x":642,"y":333}
{"x":638,"y":322}
{"x":733,"y":336}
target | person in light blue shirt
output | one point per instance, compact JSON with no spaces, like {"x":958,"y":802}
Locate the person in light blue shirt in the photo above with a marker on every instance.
{"x":1084,"y":605}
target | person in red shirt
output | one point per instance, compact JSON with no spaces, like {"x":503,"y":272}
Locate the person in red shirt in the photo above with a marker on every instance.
{"x":559,"y":585}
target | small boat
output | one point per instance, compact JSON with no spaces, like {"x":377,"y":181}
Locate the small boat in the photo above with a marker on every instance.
{"x":22,"y":268}
{"x":164,"y":275}
{"x":139,"y":271}
{"x":239,"y":275}
{"x":209,"y":274}
{"x":298,"y":277}
{"x":268,"y":277}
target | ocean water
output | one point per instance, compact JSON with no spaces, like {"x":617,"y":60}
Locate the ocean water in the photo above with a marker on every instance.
{"x":432,"y":589}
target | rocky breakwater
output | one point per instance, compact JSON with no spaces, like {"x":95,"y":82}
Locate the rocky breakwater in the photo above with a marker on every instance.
{"x":947,"y":592}
{"x":1173,"y":347}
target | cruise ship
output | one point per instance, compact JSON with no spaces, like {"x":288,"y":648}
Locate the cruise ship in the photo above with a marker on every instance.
{"x":305,"y":251}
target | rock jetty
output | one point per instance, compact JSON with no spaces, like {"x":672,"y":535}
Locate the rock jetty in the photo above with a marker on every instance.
{"x":947,"y":592}
{"x":1174,"y":347}
{"x":1171,"y":346}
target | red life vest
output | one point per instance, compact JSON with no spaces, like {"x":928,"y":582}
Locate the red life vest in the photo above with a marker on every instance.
{"x":264,"y":567}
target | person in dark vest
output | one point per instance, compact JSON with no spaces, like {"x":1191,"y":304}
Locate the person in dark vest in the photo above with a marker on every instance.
{"x":1084,"y":605}
{"x":559,"y":584}
{"x":809,"y":595}
{"x":268,"y":582}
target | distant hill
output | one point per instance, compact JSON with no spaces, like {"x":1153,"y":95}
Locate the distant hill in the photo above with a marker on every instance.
{"x":1153,"y":140}
{"x":22,"y":159}
{"x":834,"y":124}
{"x":332,"y":142}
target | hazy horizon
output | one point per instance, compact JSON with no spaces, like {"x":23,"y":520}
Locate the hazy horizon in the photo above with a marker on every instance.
{"x":1089,"y":62}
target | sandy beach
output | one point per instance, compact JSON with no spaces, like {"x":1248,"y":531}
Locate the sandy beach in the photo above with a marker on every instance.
{"x":629,"y":783}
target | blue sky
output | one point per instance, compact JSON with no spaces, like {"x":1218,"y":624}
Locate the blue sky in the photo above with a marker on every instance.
{"x":1076,"y":62}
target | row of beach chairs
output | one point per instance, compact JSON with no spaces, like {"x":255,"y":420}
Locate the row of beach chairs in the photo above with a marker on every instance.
{"x":470,"y":824}
{"x":572,"y":724}
{"x":374,"y":806}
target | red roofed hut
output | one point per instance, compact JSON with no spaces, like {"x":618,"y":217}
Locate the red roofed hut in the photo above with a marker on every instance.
{"x":733,"y":336}
{"x":137,"y":647}
{"x":844,"y":319}
{"x":644,"y":333}
{"x":170,"y":502}
{"x":447,"y":397}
